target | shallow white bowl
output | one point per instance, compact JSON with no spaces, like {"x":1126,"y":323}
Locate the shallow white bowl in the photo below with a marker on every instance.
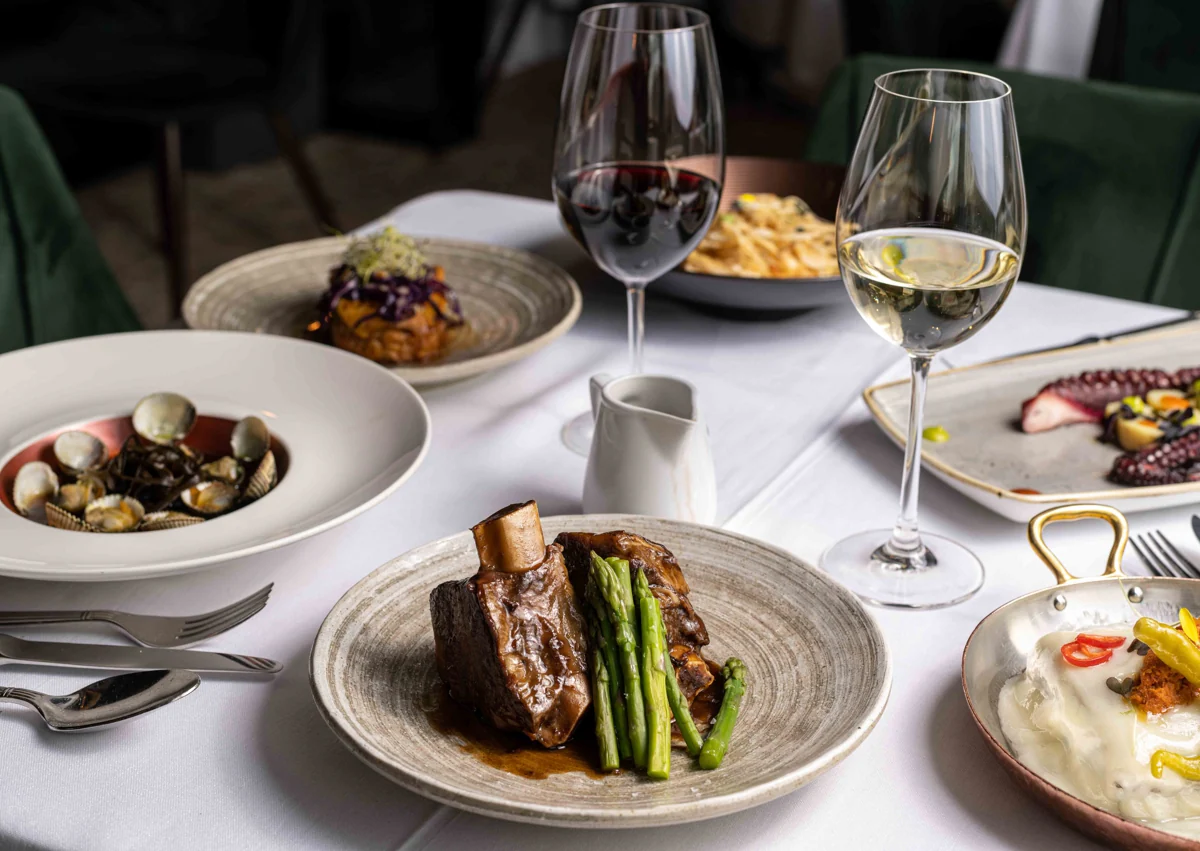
{"x":354,"y":433}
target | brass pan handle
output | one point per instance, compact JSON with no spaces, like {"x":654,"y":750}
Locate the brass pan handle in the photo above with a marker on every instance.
{"x":1111,"y":516}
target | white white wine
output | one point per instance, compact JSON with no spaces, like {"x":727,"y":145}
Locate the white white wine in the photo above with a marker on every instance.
{"x":926,"y":289}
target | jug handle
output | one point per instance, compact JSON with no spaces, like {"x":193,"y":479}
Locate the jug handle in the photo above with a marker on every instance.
{"x":596,"y":388}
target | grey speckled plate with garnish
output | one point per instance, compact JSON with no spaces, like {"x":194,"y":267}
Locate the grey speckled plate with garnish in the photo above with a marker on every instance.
{"x":819,"y":677}
{"x":514,"y":302}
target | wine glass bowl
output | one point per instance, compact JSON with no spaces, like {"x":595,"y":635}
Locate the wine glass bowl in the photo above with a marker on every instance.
{"x":930,"y":234}
{"x":640,"y":148}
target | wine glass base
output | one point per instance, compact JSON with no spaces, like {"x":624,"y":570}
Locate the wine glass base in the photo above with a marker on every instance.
{"x":577,"y":434}
{"x":951,"y":572}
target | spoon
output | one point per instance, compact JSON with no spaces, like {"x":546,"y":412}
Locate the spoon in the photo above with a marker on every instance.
{"x":109,"y":701}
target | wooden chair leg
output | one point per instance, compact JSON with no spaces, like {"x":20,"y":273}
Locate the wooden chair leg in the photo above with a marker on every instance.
{"x":172,"y":212}
{"x":302,"y":170}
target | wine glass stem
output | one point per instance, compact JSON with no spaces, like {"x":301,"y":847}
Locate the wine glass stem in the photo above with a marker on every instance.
{"x":636,"y":296}
{"x":905,"y":542}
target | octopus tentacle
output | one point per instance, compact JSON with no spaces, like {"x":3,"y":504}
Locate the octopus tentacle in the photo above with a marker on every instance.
{"x":1081,"y":398}
{"x":1169,"y":463}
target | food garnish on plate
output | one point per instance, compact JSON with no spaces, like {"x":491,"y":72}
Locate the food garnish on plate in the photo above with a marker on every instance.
{"x":1111,"y":716}
{"x":767,"y":236}
{"x":541,"y":633}
{"x":388,"y":303}
{"x":1149,"y":413}
{"x":155,"y":481}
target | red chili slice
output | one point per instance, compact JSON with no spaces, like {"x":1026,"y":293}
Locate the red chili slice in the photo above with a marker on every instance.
{"x":1082,"y":656}
{"x":1104,"y":642}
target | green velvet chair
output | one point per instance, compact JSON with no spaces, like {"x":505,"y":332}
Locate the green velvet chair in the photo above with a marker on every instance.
{"x":54,"y":283}
{"x":1111,"y":176}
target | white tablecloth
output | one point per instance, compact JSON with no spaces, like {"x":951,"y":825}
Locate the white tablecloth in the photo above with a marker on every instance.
{"x":249,"y":765}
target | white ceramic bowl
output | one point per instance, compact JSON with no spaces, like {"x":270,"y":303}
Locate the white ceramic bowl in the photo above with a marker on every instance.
{"x":353,"y":433}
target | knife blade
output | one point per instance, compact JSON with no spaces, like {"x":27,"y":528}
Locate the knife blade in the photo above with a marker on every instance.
{"x":1096,"y":338}
{"x":115,"y":657}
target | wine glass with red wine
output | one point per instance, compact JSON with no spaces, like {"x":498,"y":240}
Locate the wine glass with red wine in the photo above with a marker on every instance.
{"x":640,"y":152}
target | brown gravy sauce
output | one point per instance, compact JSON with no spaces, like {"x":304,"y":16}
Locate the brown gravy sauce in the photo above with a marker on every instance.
{"x":515,"y":754}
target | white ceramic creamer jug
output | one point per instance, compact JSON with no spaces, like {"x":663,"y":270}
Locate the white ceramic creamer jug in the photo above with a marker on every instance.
{"x":650,"y":452}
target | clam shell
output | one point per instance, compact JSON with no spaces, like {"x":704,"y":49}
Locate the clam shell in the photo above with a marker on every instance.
{"x":60,"y":519}
{"x":74,"y":497}
{"x":226,"y":470}
{"x":78,"y":451}
{"x":250,"y":439}
{"x":156,"y":521}
{"x":114,"y":513}
{"x":36,"y":483}
{"x":164,"y":418}
{"x":265,"y":477}
{"x":210,"y":498}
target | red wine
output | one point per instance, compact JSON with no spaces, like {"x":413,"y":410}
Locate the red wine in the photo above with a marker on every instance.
{"x":636,"y":221}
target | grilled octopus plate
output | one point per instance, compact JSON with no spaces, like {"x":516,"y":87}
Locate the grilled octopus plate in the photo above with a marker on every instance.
{"x":820,"y":677}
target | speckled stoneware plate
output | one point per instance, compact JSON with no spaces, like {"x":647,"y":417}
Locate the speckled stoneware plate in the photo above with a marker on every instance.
{"x":514,"y":302}
{"x":989,"y":459}
{"x":352,"y":434}
{"x":819,"y":680}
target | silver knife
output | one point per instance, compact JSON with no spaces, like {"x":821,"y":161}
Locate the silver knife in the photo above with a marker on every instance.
{"x":1096,"y":338}
{"x":108,"y":656}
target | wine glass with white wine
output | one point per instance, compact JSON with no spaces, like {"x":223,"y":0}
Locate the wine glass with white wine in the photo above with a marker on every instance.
{"x":930,"y":233}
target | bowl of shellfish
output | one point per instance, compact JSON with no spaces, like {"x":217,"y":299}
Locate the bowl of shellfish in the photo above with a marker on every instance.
{"x":152,"y":471}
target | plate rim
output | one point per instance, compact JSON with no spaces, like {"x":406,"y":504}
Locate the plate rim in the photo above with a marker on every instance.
{"x":180,"y":566}
{"x":870,"y":397}
{"x":415,"y":374}
{"x":575,"y":817}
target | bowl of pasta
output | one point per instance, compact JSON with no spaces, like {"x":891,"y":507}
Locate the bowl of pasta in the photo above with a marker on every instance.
{"x":772,"y":246}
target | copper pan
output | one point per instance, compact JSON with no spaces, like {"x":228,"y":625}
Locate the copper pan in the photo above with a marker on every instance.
{"x":1000,"y":644}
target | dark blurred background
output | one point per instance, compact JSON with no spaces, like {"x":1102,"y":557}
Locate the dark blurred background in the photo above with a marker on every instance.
{"x":194,"y":131}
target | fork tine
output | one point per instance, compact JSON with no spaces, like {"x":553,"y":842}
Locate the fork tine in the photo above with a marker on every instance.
{"x":1181,"y":562}
{"x":192,"y":634}
{"x":217,"y":617}
{"x":1148,"y":558}
{"x":262,"y":594}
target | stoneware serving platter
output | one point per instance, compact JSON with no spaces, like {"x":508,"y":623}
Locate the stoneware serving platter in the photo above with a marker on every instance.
{"x":351,"y":433}
{"x":989,"y":459}
{"x":514,"y":302}
{"x":819,"y":676}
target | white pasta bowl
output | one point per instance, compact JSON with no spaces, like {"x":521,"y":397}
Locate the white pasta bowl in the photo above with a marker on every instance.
{"x":351,"y":431}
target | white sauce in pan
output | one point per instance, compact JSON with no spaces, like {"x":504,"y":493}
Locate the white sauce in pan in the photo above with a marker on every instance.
{"x":1065,"y":724}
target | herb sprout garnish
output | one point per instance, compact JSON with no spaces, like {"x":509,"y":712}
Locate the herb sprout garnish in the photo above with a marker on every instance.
{"x":387,"y":269}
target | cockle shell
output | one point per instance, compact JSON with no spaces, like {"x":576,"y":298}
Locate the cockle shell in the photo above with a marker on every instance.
{"x":60,"y":519}
{"x":35,"y":485}
{"x":114,"y":513}
{"x":210,"y":497}
{"x":164,"y":418}
{"x":264,"y":478}
{"x":250,"y":439}
{"x":225,"y":469}
{"x":78,"y":451}
{"x":158,"y":520}
{"x":74,"y":497}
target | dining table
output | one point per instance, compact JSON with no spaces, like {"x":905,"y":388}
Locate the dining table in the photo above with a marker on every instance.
{"x":252,"y":765}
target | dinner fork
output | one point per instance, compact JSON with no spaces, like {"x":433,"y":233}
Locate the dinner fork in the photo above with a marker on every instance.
{"x":155,"y":630}
{"x":1162,"y":557}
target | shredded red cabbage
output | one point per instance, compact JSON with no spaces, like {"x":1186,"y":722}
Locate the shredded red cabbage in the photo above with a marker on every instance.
{"x":397,"y":297}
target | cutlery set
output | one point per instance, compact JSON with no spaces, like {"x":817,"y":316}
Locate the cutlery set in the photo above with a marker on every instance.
{"x":164,"y":673}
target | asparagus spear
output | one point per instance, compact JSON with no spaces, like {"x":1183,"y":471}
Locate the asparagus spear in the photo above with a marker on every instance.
{"x":680,"y":708}
{"x":624,"y":632}
{"x":654,"y":681}
{"x":717,"y":742}
{"x":621,"y":566}
{"x":606,"y":733}
{"x":604,"y":640}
